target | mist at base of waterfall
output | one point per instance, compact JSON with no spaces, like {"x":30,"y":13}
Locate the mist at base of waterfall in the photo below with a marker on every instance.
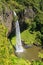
{"x":19,"y":49}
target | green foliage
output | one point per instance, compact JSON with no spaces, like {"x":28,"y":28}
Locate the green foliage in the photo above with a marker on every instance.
{"x":41,"y":5}
{"x":27,"y":37}
{"x":40,"y":55}
{"x":4,"y":50}
{"x":38,"y":36}
{"x":13,"y":40}
{"x":37,"y":63}
{"x":6,"y":54}
{"x":33,"y":26}
{"x":18,"y":61}
{"x":0,"y":7}
{"x":15,"y":6}
{"x":3,"y":30}
{"x":7,"y":51}
{"x":28,"y":21}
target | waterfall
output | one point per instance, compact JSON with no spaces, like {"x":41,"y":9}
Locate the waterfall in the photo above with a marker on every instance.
{"x":19,"y":47}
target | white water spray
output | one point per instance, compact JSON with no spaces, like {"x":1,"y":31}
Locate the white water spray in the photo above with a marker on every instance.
{"x":19,"y":47}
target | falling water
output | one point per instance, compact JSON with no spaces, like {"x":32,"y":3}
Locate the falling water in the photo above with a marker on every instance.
{"x":19,"y":47}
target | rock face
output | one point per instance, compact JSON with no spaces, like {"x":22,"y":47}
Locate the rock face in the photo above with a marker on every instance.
{"x":6,"y":18}
{"x":29,"y":13}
